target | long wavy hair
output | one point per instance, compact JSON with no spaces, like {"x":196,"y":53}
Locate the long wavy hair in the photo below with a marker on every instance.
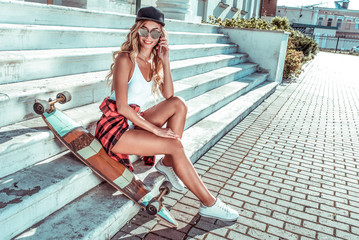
{"x":132,"y":46}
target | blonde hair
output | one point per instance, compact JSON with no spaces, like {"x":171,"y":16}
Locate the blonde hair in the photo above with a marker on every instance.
{"x":132,"y":46}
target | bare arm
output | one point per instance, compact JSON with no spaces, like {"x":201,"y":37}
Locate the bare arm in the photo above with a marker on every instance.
{"x":167,"y":89}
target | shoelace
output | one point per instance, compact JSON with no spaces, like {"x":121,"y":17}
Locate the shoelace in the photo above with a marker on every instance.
{"x":174,"y":174}
{"x":172,"y":171}
{"x":224,"y":207}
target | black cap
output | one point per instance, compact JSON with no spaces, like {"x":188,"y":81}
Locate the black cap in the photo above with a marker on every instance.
{"x":152,"y":14}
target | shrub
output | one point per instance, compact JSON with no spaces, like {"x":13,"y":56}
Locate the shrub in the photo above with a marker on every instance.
{"x":293,"y":61}
{"x":240,"y":23}
{"x":302,"y":43}
{"x":281,"y":24}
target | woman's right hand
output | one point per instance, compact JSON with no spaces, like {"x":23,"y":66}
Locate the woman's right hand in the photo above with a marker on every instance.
{"x":166,"y":132}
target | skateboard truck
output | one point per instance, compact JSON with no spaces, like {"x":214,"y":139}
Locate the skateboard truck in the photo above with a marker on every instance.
{"x":154,"y":206}
{"x":42,"y":106}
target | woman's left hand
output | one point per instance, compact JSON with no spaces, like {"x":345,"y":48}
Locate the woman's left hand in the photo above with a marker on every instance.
{"x":163,"y":49}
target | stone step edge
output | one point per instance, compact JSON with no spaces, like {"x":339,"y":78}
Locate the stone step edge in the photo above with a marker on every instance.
{"x":26,"y":64}
{"x":37,"y":138}
{"x":21,"y":55}
{"x":60,"y":37}
{"x":53,"y":191}
{"x":34,"y":27}
{"x":194,"y":154}
{"x":56,"y":10}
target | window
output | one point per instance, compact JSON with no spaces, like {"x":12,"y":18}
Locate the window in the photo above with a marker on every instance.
{"x":357,"y":26}
{"x":339,"y":23}
{"x":329,"y":24}
{"x":320,"y":21}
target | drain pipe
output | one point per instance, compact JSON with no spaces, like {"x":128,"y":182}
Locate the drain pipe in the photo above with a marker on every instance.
{"x":261,"y":9}
{"x":138,"y":5}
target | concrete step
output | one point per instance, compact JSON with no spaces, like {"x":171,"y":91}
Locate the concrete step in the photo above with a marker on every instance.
{"x":18,"y":66}
{"x":209,"y":102}
{"x":17,"y":99}
{"x":102,"y":213}
{"x":191,"y":67}
{"x":35,"y":37}
{"x":20,"y":141}
{"x":76,"y":17}
{"x":40,"y":179}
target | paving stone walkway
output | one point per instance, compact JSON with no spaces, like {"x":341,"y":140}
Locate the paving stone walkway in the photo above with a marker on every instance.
{"x":290,"y":167}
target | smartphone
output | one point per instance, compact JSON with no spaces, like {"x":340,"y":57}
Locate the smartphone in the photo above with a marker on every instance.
{"x":160,"y":48}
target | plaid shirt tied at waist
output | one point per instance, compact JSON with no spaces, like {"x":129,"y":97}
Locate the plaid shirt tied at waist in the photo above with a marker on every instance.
{"x":110,"y":128}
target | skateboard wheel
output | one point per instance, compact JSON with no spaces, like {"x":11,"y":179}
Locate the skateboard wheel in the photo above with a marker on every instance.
{"x":167,"y":186}
{"x":153,"y":207}
{"x":65,"y":95}
{"x":41,"y":106}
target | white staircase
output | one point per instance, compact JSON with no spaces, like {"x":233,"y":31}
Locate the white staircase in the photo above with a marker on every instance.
{"x":45,"y":192}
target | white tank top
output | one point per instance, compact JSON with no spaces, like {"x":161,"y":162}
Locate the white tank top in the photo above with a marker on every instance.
{"x":139,"y":90}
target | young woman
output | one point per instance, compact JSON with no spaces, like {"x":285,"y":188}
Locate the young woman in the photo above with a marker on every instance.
{"x":140,"y":69}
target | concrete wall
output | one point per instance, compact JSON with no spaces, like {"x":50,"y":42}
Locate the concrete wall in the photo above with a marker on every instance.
{"x":267,"y":48}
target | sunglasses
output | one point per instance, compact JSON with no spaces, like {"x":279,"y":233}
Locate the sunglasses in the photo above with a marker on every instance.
{"x":155,"y":34}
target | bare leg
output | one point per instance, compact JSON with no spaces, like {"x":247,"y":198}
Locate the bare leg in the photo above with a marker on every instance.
{"x":141,"y":142}
{"x":174,"y":112}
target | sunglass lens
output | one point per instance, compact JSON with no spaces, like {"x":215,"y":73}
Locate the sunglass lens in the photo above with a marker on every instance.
{"x":155,"y":34}
{"x":143,"y":32}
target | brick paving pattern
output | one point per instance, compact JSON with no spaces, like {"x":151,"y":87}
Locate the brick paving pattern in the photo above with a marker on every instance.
{"x":290,"y":167}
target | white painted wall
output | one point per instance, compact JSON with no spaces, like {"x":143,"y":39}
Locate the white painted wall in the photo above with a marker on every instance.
{"x":267,"y":48}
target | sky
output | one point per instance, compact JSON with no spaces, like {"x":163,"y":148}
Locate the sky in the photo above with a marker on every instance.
{"x":353,"y":4}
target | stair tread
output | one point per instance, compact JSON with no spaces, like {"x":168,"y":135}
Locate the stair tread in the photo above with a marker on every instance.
{"x":194,"y":139}
{"x":22,"y":55}
{"x":65,"y":37}
{"x":203,"y":60}
{"x":33,"y":27}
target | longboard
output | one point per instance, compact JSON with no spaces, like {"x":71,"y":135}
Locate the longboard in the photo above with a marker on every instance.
{"x":90,"y":151}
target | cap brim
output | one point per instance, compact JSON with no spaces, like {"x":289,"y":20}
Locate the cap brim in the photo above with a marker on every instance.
{"x":149,"y":19}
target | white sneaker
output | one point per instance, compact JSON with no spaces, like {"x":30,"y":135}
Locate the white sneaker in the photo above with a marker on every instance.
{"x":219,"y":210}
{"x":170,"y":175}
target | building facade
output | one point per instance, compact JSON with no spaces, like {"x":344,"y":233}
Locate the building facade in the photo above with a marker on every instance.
{"x":332,"y":28}
{"x":344,"y":20}
{"x":269,"y":8}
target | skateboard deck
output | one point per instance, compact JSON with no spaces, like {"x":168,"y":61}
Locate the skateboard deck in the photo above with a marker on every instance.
{"x":90,"y":151}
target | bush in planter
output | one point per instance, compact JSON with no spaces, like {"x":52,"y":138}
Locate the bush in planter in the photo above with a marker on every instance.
{"x":293,"y":61}
{"x":302,"y":43}
{"x":240,"y":23}
{"x":280,"y":24}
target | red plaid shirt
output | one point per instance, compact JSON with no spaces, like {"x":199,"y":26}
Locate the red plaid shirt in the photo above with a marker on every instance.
{"x":110,"y":128}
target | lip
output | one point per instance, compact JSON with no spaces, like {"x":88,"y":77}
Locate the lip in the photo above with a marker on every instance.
{"x":147,"y":42}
